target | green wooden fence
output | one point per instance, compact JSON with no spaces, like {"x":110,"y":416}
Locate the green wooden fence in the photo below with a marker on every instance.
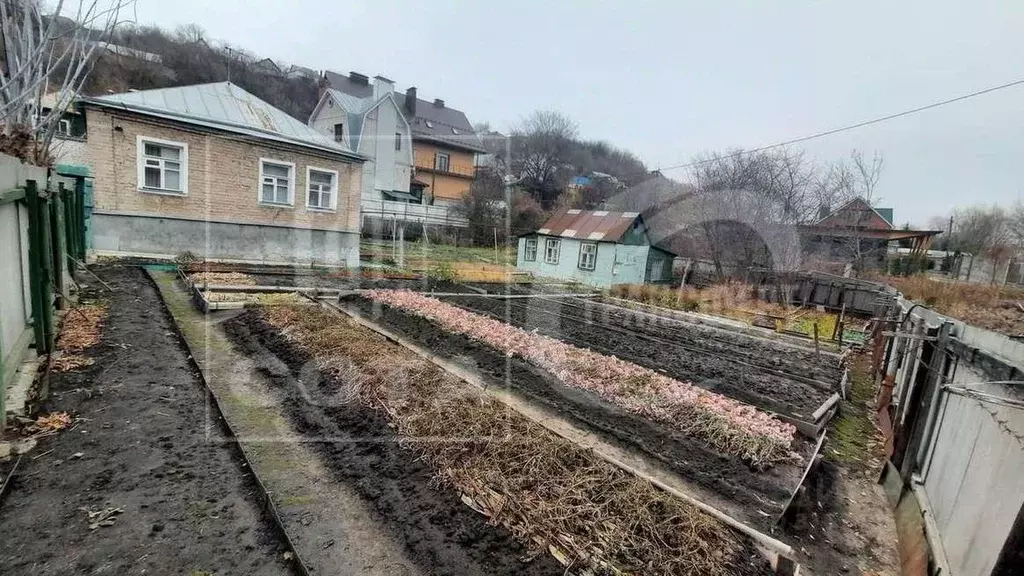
{"x":43,"y":215}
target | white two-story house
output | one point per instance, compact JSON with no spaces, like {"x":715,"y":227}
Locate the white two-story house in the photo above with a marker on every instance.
{"x":375,"y":127}
{"x":419,"y":163}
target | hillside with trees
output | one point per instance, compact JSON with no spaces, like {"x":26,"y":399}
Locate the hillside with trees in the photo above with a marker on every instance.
{"x":186,"y":57}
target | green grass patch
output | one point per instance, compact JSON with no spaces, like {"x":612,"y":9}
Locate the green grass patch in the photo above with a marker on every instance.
{"x":853,"y":438}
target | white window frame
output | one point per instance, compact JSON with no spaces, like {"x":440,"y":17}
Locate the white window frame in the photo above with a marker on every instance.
{"x":140,"y":165}
{"x":530,"y":254}
{"x":334,"y":189}
{"x":447,"y":162}
{"x":585,"y":256}
{"x":291,"y":183}
{"x":64,"y":127}
{"x":556,"y":245}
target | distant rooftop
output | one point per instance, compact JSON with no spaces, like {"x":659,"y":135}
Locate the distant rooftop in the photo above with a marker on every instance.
{"x":433,"y":121}
{"x":224,"y":106}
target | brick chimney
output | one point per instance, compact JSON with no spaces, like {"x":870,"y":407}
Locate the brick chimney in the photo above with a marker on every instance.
{"x":410,"y":100}
{"x":321,"y":86}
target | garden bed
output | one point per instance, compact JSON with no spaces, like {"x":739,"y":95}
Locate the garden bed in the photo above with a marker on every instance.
{"x":756,"y":497}
{"x":391,"y":418}
{"x":753,"y":372}
{"x":793,"y":360}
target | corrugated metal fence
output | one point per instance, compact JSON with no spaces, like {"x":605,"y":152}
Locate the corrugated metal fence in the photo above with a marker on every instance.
{"x":42,"y":236}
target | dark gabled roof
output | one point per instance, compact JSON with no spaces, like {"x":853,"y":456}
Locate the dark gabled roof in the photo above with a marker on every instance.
{"x":857,"y":212}
{"x":431,"y":123}
{"x":347,"y":85}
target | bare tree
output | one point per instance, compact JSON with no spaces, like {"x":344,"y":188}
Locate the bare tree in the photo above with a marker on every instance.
{"x":1015,"y":223}
{"x":845,"y":181}
{"x":541,"y":148}
{"x":44,"y":54}
{"x":747,"y":204}
{"x":981,"y":231}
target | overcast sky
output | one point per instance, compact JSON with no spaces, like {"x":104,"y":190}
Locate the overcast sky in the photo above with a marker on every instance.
{"x":668,"y":80}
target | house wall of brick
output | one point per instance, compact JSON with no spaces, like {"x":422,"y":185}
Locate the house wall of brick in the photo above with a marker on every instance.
{"x":223,"y":185}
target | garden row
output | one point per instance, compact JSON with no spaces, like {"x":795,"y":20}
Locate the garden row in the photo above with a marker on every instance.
{"x":725,"y":424}
{"x":400,"y":413}
{"x":793,"y":360}
{"x":773,"y":390}
{"x":726,"y":481}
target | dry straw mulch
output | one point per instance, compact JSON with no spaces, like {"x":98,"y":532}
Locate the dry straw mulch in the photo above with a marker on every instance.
{"x":79,"y":330}
{"x":223,"y":278}
{"x":547,"y":491}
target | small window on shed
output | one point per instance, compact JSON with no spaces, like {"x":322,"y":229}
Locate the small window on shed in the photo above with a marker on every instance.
{"x":588,"y":256}
{"x":552,"y":246}
{"x":530,"y":252}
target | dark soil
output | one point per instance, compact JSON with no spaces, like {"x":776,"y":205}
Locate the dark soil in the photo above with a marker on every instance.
{"x":358,"y":283}
{"x":140,"y":444}
{"x":727,"y":368}
{"x":758,"y":495}
{"x":441,"y":534}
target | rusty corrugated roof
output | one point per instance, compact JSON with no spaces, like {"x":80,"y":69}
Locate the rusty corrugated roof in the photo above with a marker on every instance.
{"x":590,"y":224}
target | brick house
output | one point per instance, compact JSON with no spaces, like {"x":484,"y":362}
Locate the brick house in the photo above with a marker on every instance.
{"x":213,"y":170}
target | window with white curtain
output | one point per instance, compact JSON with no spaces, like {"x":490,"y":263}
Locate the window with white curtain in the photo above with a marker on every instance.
{"x":322,"y":189}
{"x":162,"y":166}
{"x":276,"y":182}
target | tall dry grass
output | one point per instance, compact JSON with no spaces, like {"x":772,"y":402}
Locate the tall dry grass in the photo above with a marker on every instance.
{"x":987,"y":306}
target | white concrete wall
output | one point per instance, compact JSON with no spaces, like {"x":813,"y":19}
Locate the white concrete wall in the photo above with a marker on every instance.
{"x":972,"y":468}
{"x":975,"y":478}
{"x":15,"y":295}
{"x":394,"y":167}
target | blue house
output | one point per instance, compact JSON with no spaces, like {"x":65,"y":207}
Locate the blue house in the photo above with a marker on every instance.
{"x":595,"y":247}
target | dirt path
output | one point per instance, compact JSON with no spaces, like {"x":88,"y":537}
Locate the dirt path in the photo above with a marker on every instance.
{"x":332,"y":528}
{"x":188,"y":505}
{"x":352,"y":499}
{"x":846,"y":526}
{"x":440,"y":534}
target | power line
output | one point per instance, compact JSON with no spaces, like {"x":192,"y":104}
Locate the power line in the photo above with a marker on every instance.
{"x":849,"y":127}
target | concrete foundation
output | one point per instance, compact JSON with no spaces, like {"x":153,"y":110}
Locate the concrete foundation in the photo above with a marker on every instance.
{"x":143,"y":234}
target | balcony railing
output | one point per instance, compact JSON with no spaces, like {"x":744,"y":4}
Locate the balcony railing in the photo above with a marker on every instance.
{"x":405,"y":212}
{"x":460,"y":171}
